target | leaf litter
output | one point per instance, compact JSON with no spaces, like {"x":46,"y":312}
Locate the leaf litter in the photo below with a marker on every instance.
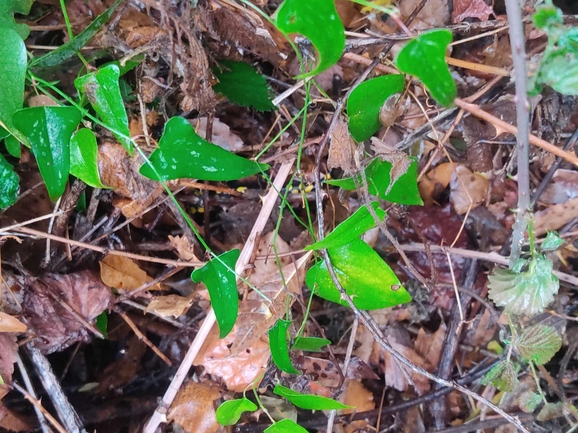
{"x":59,"y":301}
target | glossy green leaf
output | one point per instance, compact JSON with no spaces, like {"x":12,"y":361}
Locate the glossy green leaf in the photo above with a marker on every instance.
{"x":527,"y":292}
{"x":378,"y":175}
{"x":12,"y":70}
{"x":364,"y":276}
{"x":319,"y":22}
{"x":229,"y":413}
{"x":102,"y":323}
{"x":424,"y":57}
{"x":3,"y":133}
{"x":280,"y":348}
{"x":350,"y":229}
{"x":13,"y":146}
{"x":48,"y":130}
{"x":184,"y":154}
{"x":7,"y":22}
{"x":310,"y":344}
{"x":538,"y":343}
{"x":84,"y":158}
{"x":9,"y":184}
{"x":552,"y":242}
{"x":285,"y":426}
{"x":74,"y":45}
{"x":102,"y":91}
{"x":243,"y":85}
{"x":365,"y":102}
{"x":222,"y":286}
{"x":308,"y":401}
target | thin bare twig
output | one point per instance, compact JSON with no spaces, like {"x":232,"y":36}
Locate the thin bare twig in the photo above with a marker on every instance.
{"x":38,"y":406}
{"x":28,"y":383}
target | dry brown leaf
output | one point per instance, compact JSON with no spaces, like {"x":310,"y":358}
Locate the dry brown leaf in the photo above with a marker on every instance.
{"x":123,"y":273}
{"x":221,"y":136}
{"x":171,"y":305}
{"x":435,"y":182}
{"x":265,"y":269}
{"x":9,"y":323}
{"x":399,"y":160}
{"x":464,"y":9}
{"x":434,"y":14}
{"x":564,"y":187}
{"x":467,"y":189}
{"x":185,"y":249}
{"x":360,"y":397}
{"x":555,"y":216}
{"x":54,"y":326}
{"x":341,"y":148}
{"x":12,"y":421}
{"x":8,"y":351}
{"x":237,"y":371}
{"x":193,"y":408}
{"x":430,"y":346}
{"x":256,"y":315}
{"x":483,"y":330}
{"x":41,"y":101}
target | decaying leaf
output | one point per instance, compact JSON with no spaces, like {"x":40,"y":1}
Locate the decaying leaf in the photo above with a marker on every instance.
{"x":221,"y":134}
{"x":193,"y":408}
{"x":185,"y":249}
{"x":12,"y":421}
{"x":554,"y":217}
{"x":8,"y":351}
{"x":464,"y":9}
{"x":399,"y":160}
{"x":55,"y":327}
{"x":341,"y":148}
{"x":468,"y":190}
{"x":11,"y":324}
{"x":435,"y":182}
{"x":170,"y":305}
{"x":123,"y":273}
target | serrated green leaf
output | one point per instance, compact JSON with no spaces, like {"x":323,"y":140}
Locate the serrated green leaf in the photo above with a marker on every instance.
{"x":550,"y":411}
{"x":378,"y":175}
{"x":229,"y":413}
{"x":538,"y":343}
{"x":222,"y":286}
{"x":310,"y":344}
{"x":70,"y":48}
{"x":7,"y":22}
{"x":13,"y":146}
{"x":102,"y":90}
{"x":319,"y":22}
{"x":526,"y":292}
{"x":285,"y":426}
{"x":364,"y":276}
{"x":308,"y":401}
{"x":280,"y":347}
{"x":48,"y":129}
{"x":502,"y":376}
{"x":552,"y":242}
{"x":559,"y":71}
{"x":424,"y":57}
{"x":13,"y":71}
{"x":529,"y":401}
{"x":365,"y":102}
{"x":243,"y":85}
{"x":9,"y":184}
{"x":84,"y":158}
{"x":184,"y":154}
{"x":350,"y":229}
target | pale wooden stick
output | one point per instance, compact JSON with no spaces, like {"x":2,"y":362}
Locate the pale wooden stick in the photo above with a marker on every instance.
{"x":159,"y":415}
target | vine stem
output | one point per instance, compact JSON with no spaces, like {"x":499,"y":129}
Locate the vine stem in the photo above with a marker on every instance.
{"x":517,"y":43}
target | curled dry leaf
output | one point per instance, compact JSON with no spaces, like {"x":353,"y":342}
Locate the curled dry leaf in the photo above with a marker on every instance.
{"x":11,"y":324}
{"x":185,"y":249}
{"x":170,"y":305}
{"x":468,"y":190}
{"x":399,"y":160}
{"x":554,"y":217}
{"x":123,"y":273}
{"x":55,"y":327}
{"x":194,"y":407}
{"x":341,"y":148}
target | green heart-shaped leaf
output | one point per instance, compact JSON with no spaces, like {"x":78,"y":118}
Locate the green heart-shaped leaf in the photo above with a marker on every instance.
{"x":222,"y":286}
{"x":285,"y":426}
{"x":350,"y":229}
{"x":12,"y":145}
{"x":364,"y":276}
{"x":7,"y":22}
{"x":424,"y":57}
{"x":308,"y":401}
{"x":182,"y":153}
{"x":13,"y":71}
{"x":319,"y":22}
{"x":310,"y":344}
{"x":84,"y":158}
{"x":378,"y":175}
{"x":48,"y":130}
{"x":280,"y":347}
{"x":243,"y":85}
{"x":102,"y":90}
{"x":9,"y":184}
{"x":366,"y":100}
{"x":229,"y":413}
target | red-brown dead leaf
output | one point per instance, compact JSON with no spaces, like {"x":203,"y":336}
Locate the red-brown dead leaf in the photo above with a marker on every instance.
{"x":8,"y":350}
{"x":341,"y":148}
{"x":54,"y":326}
{"x":123,"y":273}
{"x":12,"y":421}
{"x":430,"y":346}
{"x":193,"y":408}
{"x":483,"y":330}
{"x":9,"y":323}
{"x":464,"y":9}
